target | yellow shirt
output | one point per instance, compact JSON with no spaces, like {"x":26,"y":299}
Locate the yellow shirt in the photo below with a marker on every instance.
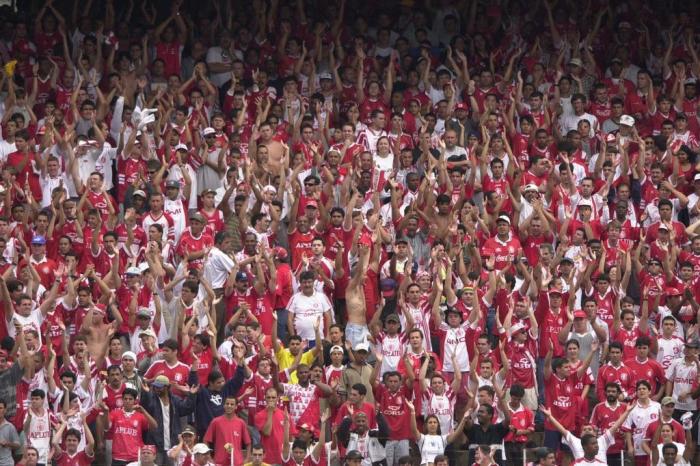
{"x":285,"y":359}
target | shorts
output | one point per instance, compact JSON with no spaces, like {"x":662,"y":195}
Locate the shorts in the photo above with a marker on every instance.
{"x":356,"y":333}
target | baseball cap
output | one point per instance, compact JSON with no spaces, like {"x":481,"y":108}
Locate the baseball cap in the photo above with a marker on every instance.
{"x":325,"y":75}
{"x":312,"y":203}
{"x":337,"y":349}
{"x":39,"y":240}
{"x":576,"y":62}
{"x":280,"y":253}
{"x":554,"y":291}
{"x":580,"y":314}
{"x":143,"y":312}
{"x":147,"y":333}
{"x":627,"y":120}
{"x":388,"y":287}
{"x":530,"y":187}
{"x":692,"y":343}
{"x":616,"y":60}
{"x":517,"y":328}
{"x":207,"y":191}
{"x":306,"y":426}
{"x":566,"y":259}
{"x":364,"y":346}
{"x":209,"y":130}
{"x":672,"y":291}
{"x":401,"y":239}
{"x":393,"y":318}
{"x":241,"y":277}
{"x":503,"y":218}
{"x":696,"y":177}
{"x":585,"y":203}
{"x":129,"y":355}
{"x":139,"y":192}
{"x":625,"y":24}
{"x":667,"y":400}
{"x":189,"y":430}
{"x":461,"y":106}
{"x":172,"y":184}
{"x":182,"y":147}
{"x":201,"y":449}
{"x":161,"y":381}
{"x":133,"y":271}
{"x":663,"y":226}
{"x":197,"y":218}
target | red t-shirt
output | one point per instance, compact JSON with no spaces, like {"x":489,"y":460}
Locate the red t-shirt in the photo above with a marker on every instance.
{"x":272,"y":443}
{"x":222,"y":431}
{"x":561,"y":400}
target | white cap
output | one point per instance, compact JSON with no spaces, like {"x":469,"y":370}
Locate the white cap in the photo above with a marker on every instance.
{"x":148,"y":333}
{"x":627,"y":120}
{"x":697,"y":177}
{"x":270,"y":188}
{"x":143,"y":266}
{"x":517,"y":327}
{"x":504,"y":217}
{"x":364,"y":346}
{"x":576,"y":62}
{"x":209,"y":130}
{"x":339,"y":348}
{"x":182,"y":147}
{"x":200,"y":449}
{"x":530,"y":187}
{"x":139,"y":192}
{"x":585,"y":203}
{"x":129,"y":355}
{"x":133,"y":271}
{"x":663,"y":227}
{"x":325,"y":75}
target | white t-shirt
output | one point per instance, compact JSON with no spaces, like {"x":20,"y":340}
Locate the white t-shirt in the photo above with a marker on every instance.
{"x":306,"y":309}
{"x":681,"y":450}
{"x":217,"y":268}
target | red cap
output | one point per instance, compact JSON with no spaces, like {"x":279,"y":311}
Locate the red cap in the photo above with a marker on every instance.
{"x":461,"y":106}
{"x":580,"y":314}
{"x":671,"y":291}
{"x":312,"y":203}
{"x":280,"y":252}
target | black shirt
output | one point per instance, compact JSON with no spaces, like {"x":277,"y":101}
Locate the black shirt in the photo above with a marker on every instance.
{"x":493,"y":434}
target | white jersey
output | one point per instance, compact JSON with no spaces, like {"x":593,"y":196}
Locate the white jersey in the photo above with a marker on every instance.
{"x":392,"y":348}
{"x":453,"y":341}
{"x":594,"y":462}
{"x":683,"y":375}
{"x":368,"y":138}
{"x":442,"y":406}
{"x":669,"y":350}
{"x":39,"y":435}
{"x":637,"y":422}
{"x":178,"y":212}
{"x":421,"y":320}
{"x":604,"y":442}
{"x":680,"y":461}
{"x":431,"y":446}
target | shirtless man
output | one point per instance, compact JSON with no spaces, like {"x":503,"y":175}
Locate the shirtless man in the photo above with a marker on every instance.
{"x":356,"y":329}
{"x":275,"y":149}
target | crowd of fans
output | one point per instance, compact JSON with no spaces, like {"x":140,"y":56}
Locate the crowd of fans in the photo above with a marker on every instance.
{"x":366,"y":233}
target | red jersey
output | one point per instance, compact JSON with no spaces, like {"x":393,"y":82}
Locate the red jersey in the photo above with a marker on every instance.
{"x":29,"y":172}
{"x":604,"y":416}
{"x":127,"y":434}
{"x":504,"y":251}
{"x":648,"y":370}
{"x":169,"y":52}
{"x":99,"y":201}
{"x":393,"y":407}
{"x":561,"y":400}
{"x":300,"y":244}
{"x":178,"y":373}
{"x":78,"y":459}
{"x":188,"y":242}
